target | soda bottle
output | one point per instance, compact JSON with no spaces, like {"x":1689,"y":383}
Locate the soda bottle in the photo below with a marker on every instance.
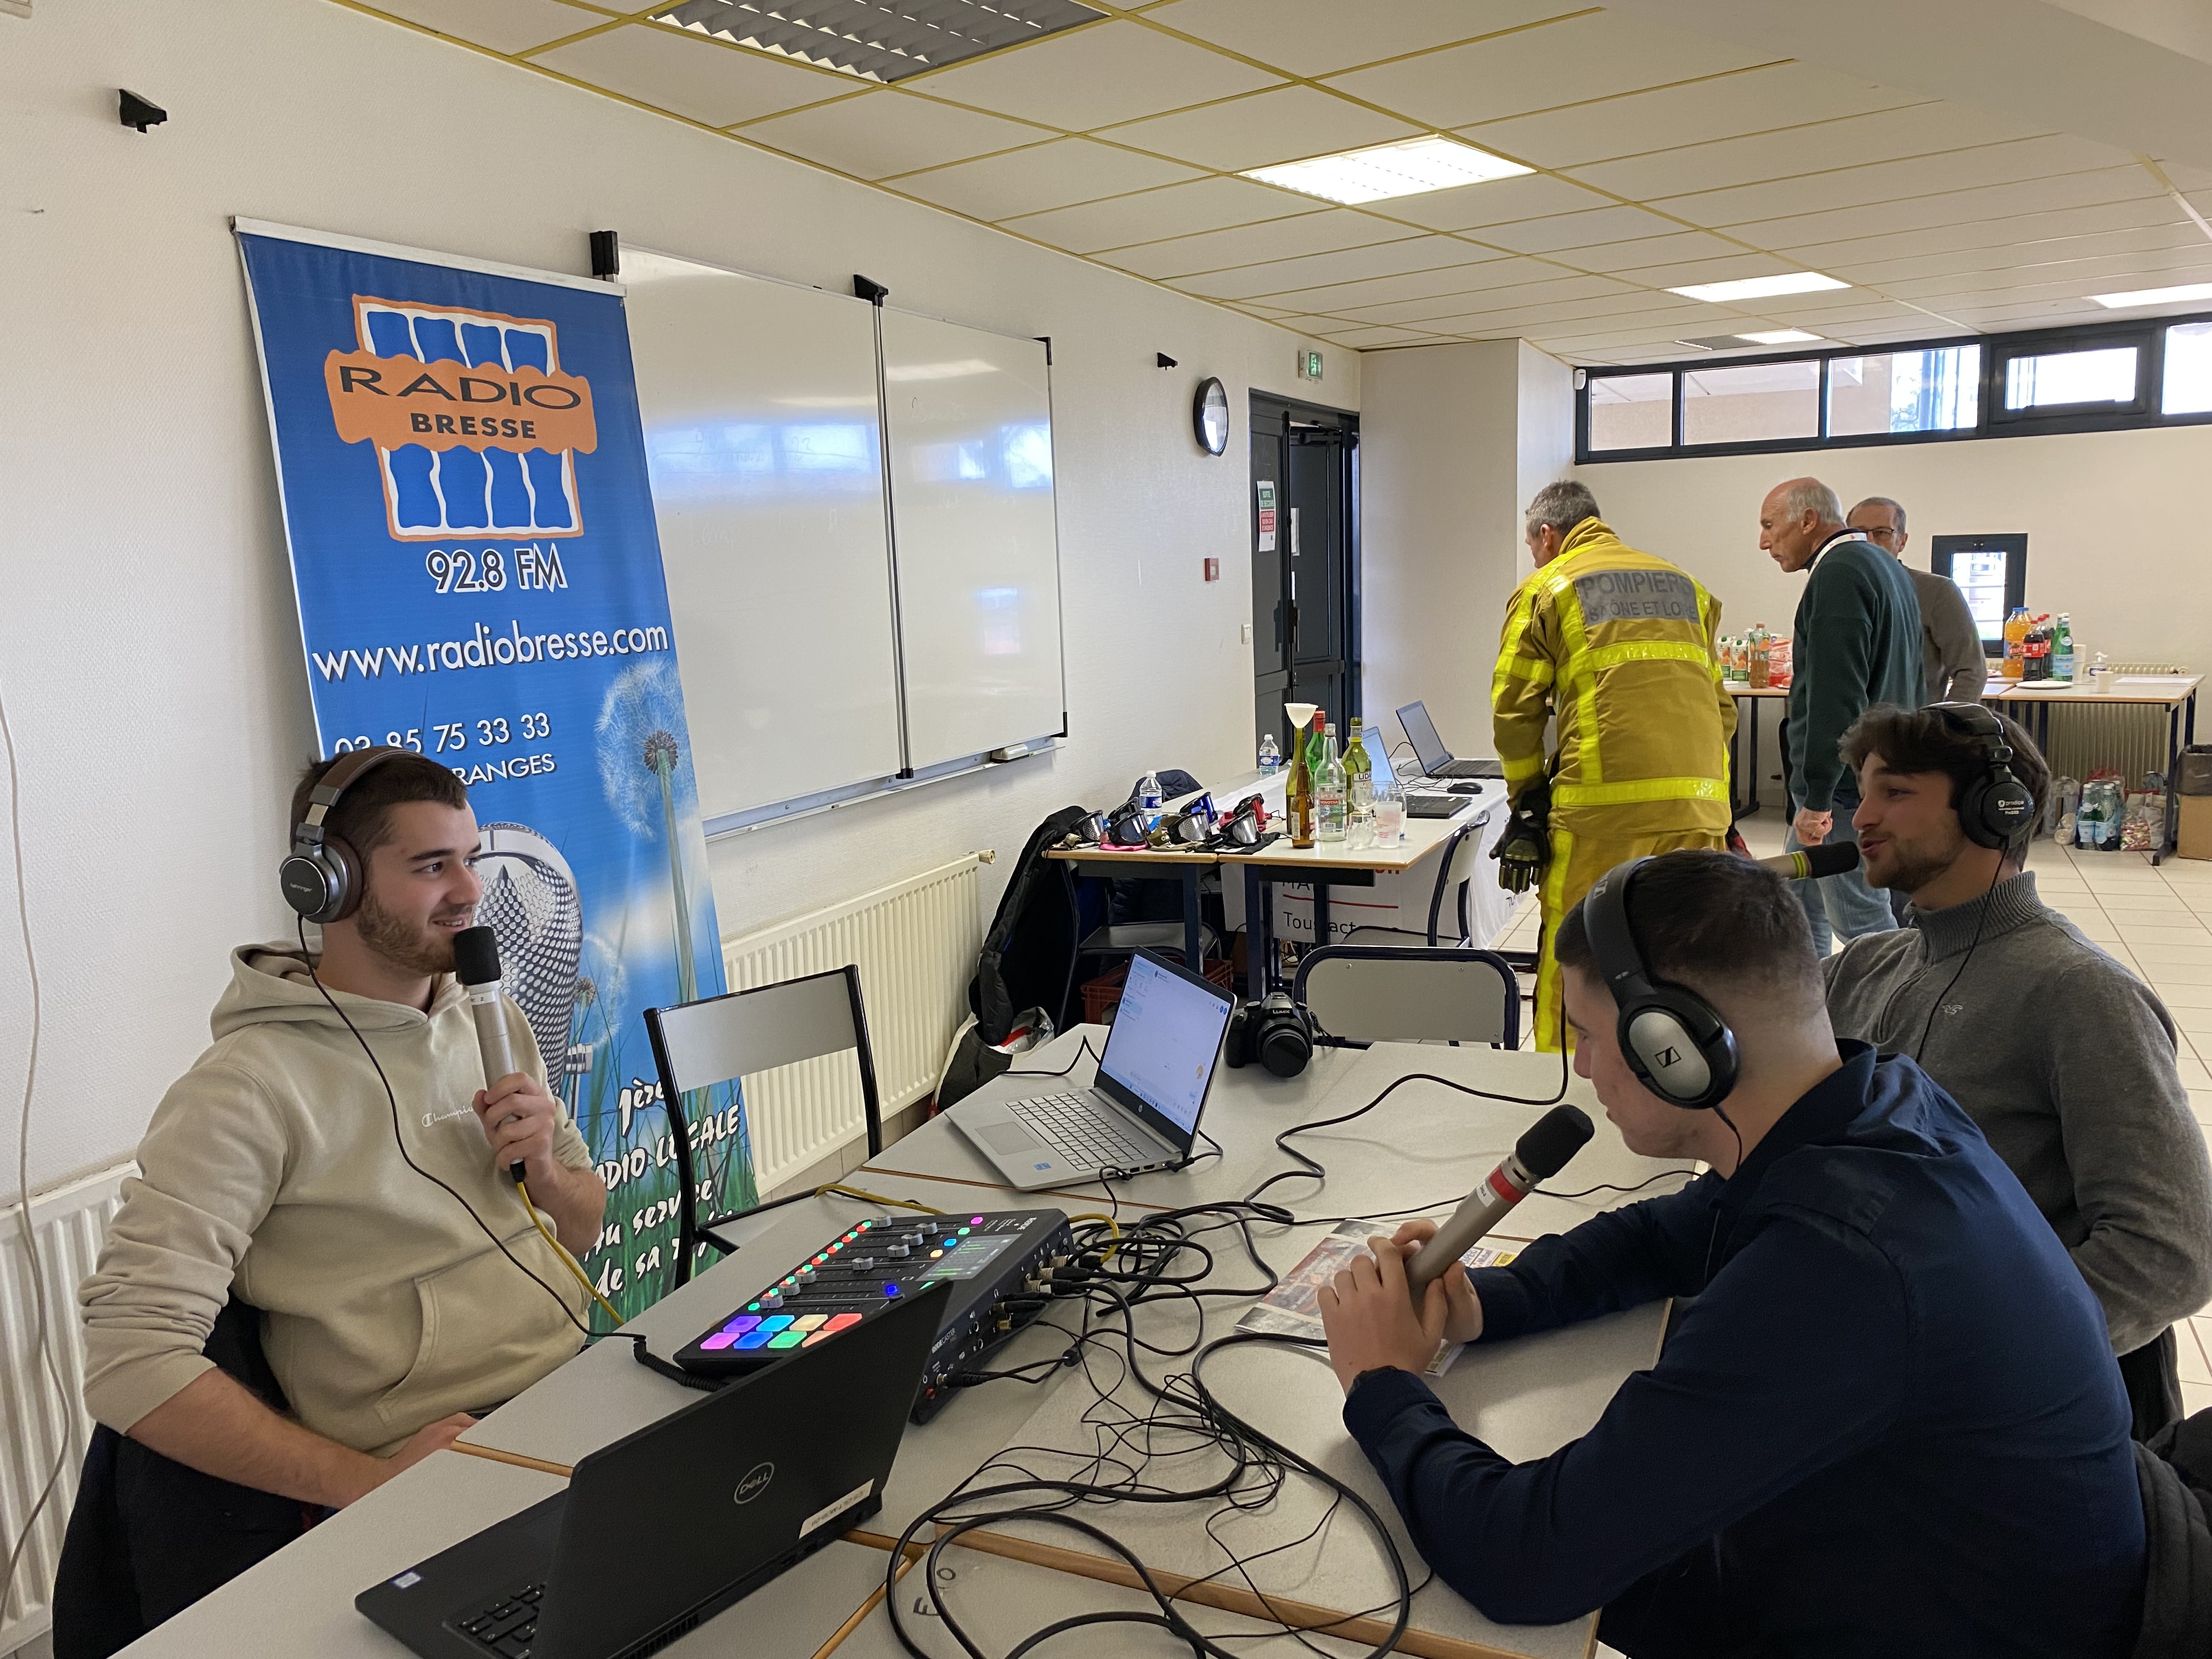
{"x":2016,"y":641}
{"x":1759,"y":664}
{"x":1300,"y":795}
{"x":2062,"y":649}
{"x":1329,"y":790}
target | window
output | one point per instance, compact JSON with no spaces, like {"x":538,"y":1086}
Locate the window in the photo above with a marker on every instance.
{"x":1752,"y":403}
{"x":1630,"y":411}
{"x":1938,"y":389}
{"x":2188,"y":389}
{"x":2103,"y":376}
{"x":2095,"y":377}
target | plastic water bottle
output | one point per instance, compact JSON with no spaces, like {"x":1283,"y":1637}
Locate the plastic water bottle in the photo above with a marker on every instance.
{"x":1270,"y":758}
{"x":1148,"y":797}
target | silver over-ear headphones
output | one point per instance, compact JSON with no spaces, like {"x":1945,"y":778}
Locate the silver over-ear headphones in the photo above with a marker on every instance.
{"x":1673,"y":1039}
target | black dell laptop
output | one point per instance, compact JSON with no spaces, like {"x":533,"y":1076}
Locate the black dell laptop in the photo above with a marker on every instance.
{"x":740,"y":1486}
{"x":1437,"y":761}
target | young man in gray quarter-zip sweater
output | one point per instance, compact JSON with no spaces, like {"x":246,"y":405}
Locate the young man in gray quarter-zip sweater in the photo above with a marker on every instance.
{"x":2063,"y":1057}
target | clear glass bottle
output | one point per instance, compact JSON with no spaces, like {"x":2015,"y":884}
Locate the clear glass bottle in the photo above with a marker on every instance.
{"x":1330,"y":788}
{"x":1359,"y":773}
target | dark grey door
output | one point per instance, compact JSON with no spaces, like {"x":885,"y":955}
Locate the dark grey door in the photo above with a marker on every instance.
{"x":1305,"y":587}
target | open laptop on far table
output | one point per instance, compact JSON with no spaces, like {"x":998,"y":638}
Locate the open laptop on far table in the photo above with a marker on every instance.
{"x":1142,"y":1112}
{"x":1437,"y":761}
{"x":1424,"y":799}
{"x":724,"y":1496}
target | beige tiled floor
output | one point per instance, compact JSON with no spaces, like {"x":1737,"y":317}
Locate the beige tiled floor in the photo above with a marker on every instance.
{"x":2156,"y":920}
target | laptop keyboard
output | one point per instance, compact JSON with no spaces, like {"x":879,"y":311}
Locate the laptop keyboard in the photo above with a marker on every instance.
{"x":509,"y":1626}
{"x":1074,"y":1129}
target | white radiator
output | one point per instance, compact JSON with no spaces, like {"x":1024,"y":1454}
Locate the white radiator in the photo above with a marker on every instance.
{"x":69,"y":1223}
{"x":916,"y":943}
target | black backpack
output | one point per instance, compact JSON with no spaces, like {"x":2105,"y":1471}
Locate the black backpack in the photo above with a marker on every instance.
{"x":1028,"y":958}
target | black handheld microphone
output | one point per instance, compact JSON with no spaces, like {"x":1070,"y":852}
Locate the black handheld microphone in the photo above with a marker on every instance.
{"x":1538,"y":1156}
{"x":1829,"y":859}
{"x":476,"y":965}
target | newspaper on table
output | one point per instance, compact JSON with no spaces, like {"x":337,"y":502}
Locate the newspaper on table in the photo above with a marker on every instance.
{"x":1293,"y":1307}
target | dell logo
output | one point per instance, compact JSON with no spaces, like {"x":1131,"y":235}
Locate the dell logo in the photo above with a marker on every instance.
{"x":754,"y":1483}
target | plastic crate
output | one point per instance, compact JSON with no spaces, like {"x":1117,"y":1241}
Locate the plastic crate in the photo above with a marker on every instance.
{"x":1105,"y":992}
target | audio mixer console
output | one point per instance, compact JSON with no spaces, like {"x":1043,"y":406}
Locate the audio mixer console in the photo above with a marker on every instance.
{"x":988,"y":1259}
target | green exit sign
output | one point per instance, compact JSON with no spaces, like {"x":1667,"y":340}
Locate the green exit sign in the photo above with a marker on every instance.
{"x":1309,"y":365}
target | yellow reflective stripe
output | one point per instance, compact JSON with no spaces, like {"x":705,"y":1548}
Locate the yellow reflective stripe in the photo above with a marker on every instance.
{"x":1612,"y":656}
{"x":1575,"y":636}
{"x":1508,"y":649}
{"x":1643,"y":789}
{"x":1516,"y":770}
{"x":1525,"y":668}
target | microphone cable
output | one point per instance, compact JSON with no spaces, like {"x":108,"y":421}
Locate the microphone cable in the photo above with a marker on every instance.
{"x":400,"y":1141}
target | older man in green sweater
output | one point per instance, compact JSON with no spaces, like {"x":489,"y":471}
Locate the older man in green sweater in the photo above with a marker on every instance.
{"x":2065,"y":1059}
{"x":1857,"y":643}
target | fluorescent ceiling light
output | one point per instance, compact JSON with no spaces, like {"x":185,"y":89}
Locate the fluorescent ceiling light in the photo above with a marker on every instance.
{"x":2154,"y":296}
{"x":1382,"y":171}
{"x":1759,"y":288}
{"x":1779,"y":336}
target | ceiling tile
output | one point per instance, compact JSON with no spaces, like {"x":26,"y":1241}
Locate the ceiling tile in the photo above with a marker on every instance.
{"x":1369,"y":339}
{"x":1496,"y":202}
{"x":2154,"y":241}
{"x":1057,"y":174}
{"x":1645,"y":250}
{"x":1248,"y":245}
{"x":1411,"y":285}
{"x":503,"y":25}
{"x":1725,"y":268}
{"x":1855,"y":141}
{"x":1154,"y":215}
{"x":2105,"y":188}
{"x":1613,"y":224}
{"x":1568,"y":291}
{"x":2144,"y":215}
{"x":1311,"y":37}
{"x":691,"y":75}
{"x":1726,"y":107}
{"x":1092,"y":76}
{"x":880,"y":133}
{"x":1318,"y":269}
{"x":1596,"y":54}
{"x":1286,"y":125}
{"x":2117,"y":276}
{"x":2021,"y":162}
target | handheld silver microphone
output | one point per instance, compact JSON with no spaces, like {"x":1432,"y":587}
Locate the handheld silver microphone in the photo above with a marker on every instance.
{"x":475,"y":966}
{"x":1541,"y":1153}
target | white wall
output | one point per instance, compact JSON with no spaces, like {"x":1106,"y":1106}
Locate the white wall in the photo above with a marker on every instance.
{"x":2109,"y":539}
{"x":1454,"y":441}
{"x":149,"y":651}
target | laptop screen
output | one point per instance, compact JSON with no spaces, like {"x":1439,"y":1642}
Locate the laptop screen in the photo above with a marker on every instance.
{"x":1421,"y":733}
{"x":1162,"y":1045}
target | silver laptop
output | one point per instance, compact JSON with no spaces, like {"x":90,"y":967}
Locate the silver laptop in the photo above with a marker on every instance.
{"x":1437,"y":761}
{"x":1141,"y":1114}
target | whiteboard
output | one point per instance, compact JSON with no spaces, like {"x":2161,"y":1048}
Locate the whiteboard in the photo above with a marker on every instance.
{"x":968,"y":423}
{"x":763,"y":443}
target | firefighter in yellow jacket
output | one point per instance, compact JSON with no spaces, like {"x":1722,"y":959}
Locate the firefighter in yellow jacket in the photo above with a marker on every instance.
{"x":1619,"y":647}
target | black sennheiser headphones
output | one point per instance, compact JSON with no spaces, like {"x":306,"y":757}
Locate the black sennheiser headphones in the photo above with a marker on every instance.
{"x":322,"y":876}
{"x":1672,"y":1037}
{"x":1995,"y":809}
{"x":1274,"y":1031}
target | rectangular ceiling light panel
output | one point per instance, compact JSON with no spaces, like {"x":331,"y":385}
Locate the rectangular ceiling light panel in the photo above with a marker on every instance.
{"x":2154,"y":296}
{"x":1382,"y":171}
{"x":1779,"y":336}
{"x":1759,"y":288}
{"x":873,"y":41}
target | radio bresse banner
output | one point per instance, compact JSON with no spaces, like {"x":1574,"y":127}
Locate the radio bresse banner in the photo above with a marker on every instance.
{"x":479,"y":579}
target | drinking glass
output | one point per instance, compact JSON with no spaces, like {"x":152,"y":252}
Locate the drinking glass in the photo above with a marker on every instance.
{"x":1389,"y":814}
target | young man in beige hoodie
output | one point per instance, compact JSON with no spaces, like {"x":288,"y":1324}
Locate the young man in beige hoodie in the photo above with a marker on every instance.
{"x":273,"y":1168}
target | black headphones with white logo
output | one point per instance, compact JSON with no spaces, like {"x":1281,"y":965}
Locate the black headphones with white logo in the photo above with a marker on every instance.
{"x":1997,"y":809}
{"x":1674,"y":1040}
{"x":322,"y":877}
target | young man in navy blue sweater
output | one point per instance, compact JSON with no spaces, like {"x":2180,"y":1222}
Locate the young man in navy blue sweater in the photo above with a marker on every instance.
{"x":1890,"y":1424}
